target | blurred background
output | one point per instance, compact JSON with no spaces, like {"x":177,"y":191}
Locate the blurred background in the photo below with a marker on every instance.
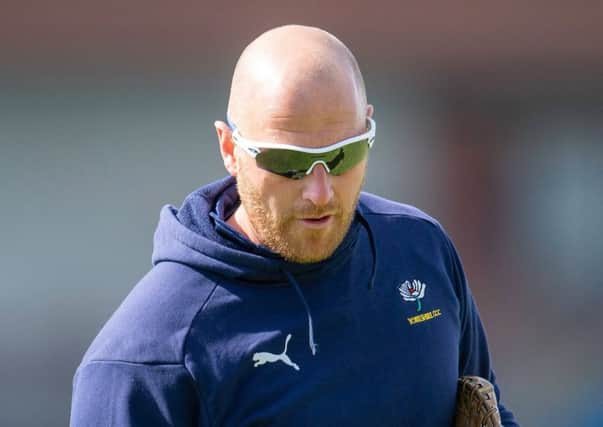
{"x":490,"y":118}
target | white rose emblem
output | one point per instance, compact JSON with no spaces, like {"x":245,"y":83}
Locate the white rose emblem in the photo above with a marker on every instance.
{"x":414,"y":291}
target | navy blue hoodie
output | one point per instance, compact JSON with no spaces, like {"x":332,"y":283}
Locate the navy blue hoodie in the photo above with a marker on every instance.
{"x":222,"y":332}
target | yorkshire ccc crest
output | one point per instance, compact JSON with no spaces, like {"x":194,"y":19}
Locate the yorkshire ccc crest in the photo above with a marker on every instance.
{"x":414,"y":291}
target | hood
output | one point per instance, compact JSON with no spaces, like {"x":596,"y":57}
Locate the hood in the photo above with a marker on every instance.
{"x":197,"y":235}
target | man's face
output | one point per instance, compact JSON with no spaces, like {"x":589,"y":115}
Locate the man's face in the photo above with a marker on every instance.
{"x":296,"y":87}
{"x":303,"y":220}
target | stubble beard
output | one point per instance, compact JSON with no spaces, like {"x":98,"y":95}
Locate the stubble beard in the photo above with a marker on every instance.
{"x":285,"y":235}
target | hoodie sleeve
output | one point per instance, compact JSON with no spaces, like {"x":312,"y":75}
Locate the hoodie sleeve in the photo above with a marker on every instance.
{"x":474,"y":354}
{"x":115,"y":393}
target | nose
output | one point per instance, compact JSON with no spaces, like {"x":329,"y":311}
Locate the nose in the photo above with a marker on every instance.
{"x":317,"y":186}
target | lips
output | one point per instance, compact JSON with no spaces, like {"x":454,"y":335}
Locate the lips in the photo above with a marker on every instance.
{"x":317,"y":222}
{"x":318,"y":219}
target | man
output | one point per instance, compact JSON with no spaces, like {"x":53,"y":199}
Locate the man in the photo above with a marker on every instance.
{"x":281,"y":295}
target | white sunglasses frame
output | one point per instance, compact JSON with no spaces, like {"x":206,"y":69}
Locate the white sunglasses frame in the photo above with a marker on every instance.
{"x":253,"y":148}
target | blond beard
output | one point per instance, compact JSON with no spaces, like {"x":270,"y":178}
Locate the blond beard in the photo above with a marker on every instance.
{"x":277,"y":234}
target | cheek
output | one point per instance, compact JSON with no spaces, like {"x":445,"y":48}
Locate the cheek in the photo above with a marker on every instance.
{"x":283,"y":200}
{"x":279,"y":193}
{"x":348,"y":185}
{"x":257,"y":178}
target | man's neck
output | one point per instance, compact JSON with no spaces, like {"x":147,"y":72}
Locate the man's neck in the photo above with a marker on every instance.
{"x":240,"y":222}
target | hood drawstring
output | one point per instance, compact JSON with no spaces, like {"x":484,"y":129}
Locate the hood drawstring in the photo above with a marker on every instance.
{"x":293,"y":282}
{"x":313,"y":345}
{"x":366,"y":225}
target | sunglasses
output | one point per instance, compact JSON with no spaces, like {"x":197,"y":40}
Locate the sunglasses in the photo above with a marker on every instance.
{"x":296,"y":162}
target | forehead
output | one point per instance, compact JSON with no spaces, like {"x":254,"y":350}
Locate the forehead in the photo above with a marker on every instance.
{"x":313,"y":107}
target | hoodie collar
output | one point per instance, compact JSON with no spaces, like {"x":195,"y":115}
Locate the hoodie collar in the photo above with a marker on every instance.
{"x":197,"y":235}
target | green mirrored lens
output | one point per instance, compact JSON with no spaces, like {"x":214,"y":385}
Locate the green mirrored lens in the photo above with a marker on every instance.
{"x":295,"y":164}
{"x":347,"y":157}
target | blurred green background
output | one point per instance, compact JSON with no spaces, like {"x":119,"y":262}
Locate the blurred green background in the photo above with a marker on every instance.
{"x":489,"y":118}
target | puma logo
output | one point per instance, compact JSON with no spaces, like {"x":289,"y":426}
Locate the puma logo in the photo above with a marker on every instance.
{"x":265,"y":357}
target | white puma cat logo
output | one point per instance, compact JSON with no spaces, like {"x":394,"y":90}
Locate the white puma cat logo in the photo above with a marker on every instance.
{"x":265,"y":357}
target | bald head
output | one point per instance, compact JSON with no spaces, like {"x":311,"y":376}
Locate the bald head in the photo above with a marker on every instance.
{"x":296,"y":79}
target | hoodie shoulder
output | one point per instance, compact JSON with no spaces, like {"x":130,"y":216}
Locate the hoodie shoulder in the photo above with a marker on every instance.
{"x":152,"y":323}
{"x":371,"y":204}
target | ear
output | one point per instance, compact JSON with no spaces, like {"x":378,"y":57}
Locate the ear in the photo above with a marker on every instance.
{"x":370,"y":110}
{"x":227,"y":147}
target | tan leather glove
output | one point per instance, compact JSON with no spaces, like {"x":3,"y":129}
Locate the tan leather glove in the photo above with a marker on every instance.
{"x":476,"y":403}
